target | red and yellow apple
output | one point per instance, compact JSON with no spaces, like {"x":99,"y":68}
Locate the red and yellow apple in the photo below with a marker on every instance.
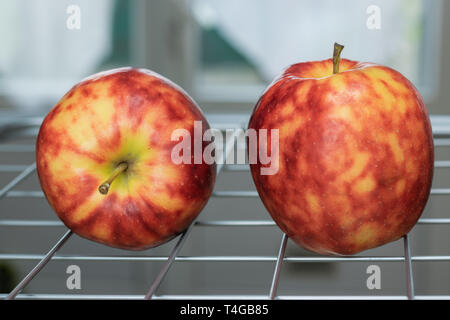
{"x":355,"y":155}
{"x":104,"y":159}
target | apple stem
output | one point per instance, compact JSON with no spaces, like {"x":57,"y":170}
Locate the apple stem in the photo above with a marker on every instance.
{"x":337,"y":57}
{"x":104,"y":187}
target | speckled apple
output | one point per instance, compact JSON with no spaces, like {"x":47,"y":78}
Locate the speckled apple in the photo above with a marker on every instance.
{"x":355,"y":155}
{"x":117,"y":125}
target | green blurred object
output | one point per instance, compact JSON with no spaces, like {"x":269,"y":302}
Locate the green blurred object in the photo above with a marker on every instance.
{"x":120,"y":33}
{"x":7,"y":277}
{"x":216,"y":50}
{"x":221,"y":62}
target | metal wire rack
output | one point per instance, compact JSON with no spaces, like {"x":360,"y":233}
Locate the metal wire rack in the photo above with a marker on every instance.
{"x":441,"y":132}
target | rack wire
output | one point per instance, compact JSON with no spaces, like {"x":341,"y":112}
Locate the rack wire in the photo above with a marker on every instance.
{"x":441,"y":133}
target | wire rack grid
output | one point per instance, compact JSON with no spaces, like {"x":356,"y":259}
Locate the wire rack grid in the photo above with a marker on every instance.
{"x":441,"y":133}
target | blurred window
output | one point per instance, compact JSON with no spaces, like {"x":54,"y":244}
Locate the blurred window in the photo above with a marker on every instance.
{"x":245,"y":44}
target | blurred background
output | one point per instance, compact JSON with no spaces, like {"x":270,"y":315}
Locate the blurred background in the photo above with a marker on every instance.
{"x":223,"y":53}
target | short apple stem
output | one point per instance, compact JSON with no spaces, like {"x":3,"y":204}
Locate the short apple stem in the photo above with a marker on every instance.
{"x":337,"y":57}
{"x":104,"y":187}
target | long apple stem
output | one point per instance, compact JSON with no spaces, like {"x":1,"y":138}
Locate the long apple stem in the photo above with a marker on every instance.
{"x":337,"y":57}
{"x":104,"y":187}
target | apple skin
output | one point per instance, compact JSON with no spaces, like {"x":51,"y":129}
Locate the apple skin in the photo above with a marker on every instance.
{"x":122,"y":115}
{"x":356,"y":155}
